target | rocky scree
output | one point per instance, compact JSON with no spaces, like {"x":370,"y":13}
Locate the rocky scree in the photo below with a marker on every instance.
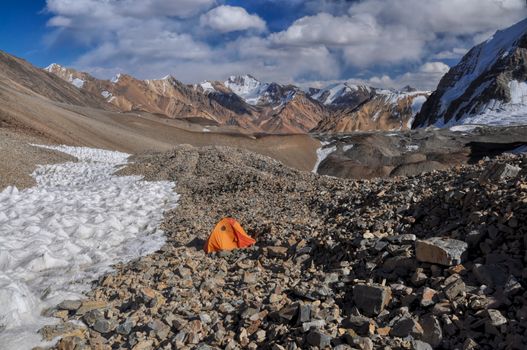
{"x":335,"y":264}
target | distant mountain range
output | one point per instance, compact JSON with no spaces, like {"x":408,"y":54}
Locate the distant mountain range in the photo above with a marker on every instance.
{"x":255,"y":106}
{"x":488,"y":86}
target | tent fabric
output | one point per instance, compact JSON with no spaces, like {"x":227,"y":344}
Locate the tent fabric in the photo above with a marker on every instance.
{"x":227,"y":235}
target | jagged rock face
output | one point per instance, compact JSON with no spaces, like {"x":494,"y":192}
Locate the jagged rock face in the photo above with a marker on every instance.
{"x":488,"y":86}
{"x":298,"y":113}
{"x":386,"y":110}
{"x":343,"y":95}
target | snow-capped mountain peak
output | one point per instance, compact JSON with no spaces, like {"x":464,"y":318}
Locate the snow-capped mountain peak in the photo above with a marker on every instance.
{"x":488,"y":86}
{"x":54,"y":67}
{"x":341,"y":93}
{"x":247,"y":87}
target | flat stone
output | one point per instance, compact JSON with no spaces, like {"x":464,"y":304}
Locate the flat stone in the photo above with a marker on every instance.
{"x":407,"y":326}
{"x":441,"y":251}
{"x":288,"y":313}
{"x":428,"y":297}
{"x":104,"y":326}
{"x":70,"y":305}
{"x":454,"y":288}
{"x":317,"y":324}
{"x":90,"y":305}
{"x":371,"y":299}
{"x":495,"y":318}
{"x":318,"y":339}
{"x":360,"y":324}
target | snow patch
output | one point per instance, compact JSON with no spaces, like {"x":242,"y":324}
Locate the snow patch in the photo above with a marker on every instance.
{"x":347,"y":147}
{"x":412,"y":148}
{"x":463,"y":128}
{"x":106,"y":94}
{"x":116,"y":78}
{"x":68,"y":230}
{"x":207,"y":87}
{"x":322,"y":153}
{"x":79,"y":83}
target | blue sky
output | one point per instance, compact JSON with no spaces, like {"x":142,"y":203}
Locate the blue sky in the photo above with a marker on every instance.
{"x":388,"y":43}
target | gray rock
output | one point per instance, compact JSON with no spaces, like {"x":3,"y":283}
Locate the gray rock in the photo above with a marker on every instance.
{"x":104,"y":326}
{"x":363,"y":343}
{"x":490,"y":275}
{"x":304,"y":313}
{"x":495,"y":318}
{"x":432,"y":331}
{"x":360,"y":324}
{"x":407,"y":326}
{"x":92,"y":316}
{"x":371,"y":299}
{"x":318,"y":339}
{"x":317,"y":324}
{"x":288,"y":313}
{"x":441,"y":251}
{"x":499,"y":172}
{"x":125,"y":327}
{"x":421,"y":345}
{"x":70,"y":305}
{"x":454,"y":287}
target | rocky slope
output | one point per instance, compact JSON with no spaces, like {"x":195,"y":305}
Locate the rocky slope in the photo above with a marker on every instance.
{"x":488,"y":86}
{"x":23,"y":77}
{"x":433,"y":261}
{"x":381,"y":110}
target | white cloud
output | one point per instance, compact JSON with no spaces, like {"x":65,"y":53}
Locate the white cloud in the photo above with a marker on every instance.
{"x":374,"y":32}
{"x":231,"y":18}
{"x":133,"y":8}
{"x":425,"y":78}
{"x":152,"y":38}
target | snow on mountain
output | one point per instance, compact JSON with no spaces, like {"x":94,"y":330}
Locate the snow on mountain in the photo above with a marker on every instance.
{"x":486,"y":87}
{"x":207,"y":87}
{"x":335,"y":92}
{"x":247,"y":87}
{"x":116,"y":78}
{"x":65,"y":74}
{"x":77,"y":82}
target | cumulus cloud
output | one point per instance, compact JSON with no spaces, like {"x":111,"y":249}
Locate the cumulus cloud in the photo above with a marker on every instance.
{"x":390,"y":32}
{"x":425,"y":78}
{"x":231,"y":18}
{"x":329,"y":40}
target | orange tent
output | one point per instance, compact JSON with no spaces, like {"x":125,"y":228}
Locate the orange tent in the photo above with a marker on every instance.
{"x":227,"y":235}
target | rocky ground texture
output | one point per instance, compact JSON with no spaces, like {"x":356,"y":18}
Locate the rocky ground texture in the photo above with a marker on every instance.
{"x":431,"y":261}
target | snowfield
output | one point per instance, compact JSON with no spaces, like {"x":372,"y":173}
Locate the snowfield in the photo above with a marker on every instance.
{"x":60,"y":235}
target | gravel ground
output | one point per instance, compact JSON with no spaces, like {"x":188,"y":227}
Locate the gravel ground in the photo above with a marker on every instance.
{"x":18,"y":158}
{"x":432,"y":261}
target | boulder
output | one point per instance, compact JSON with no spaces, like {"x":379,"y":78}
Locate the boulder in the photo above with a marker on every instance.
{"x":441,"y":251}
{"x":371,"y":299}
